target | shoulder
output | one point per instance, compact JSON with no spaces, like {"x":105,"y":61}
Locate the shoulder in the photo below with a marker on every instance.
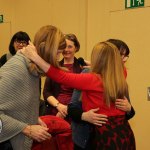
{"x":76,"y":66}
{"x":15,"y":65}
{"x":17,"y":60}
{"x":8,"y":56}
{"x":76,"y":61}
{"x":3,"y":56}
{"x":3,"y":59}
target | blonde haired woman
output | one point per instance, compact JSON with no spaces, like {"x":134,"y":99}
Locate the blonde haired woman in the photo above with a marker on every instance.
{"x":19,"y":94}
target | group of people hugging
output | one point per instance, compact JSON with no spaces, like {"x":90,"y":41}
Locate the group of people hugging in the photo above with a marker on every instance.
{"x":87,"y":103}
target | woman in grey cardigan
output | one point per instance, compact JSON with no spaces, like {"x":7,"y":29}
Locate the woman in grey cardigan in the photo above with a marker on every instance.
{"x":19,"y":94}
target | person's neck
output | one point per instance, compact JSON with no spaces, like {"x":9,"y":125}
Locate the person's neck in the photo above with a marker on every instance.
{"x":68,"y":60}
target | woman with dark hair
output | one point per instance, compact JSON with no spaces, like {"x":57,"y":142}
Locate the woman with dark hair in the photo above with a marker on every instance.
{"x":121,"y":45}
{"x":18,"y":41}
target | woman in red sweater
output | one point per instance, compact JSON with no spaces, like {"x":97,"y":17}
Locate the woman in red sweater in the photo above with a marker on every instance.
{"x":100,"y":89}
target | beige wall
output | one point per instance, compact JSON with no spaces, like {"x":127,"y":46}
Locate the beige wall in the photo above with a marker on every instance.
{"x":93,"y":21}
{"x":134,"y":28}
{"x":5,"y":28}
{"x":29,"y":16}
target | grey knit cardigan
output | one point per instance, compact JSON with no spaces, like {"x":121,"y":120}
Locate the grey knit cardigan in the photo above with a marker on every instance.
{"x":19,"y":101}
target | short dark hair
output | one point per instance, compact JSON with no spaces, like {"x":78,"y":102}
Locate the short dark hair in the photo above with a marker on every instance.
{"x":20,"y":36}
{"x":74,"y":39}
{"x":122,"y":46}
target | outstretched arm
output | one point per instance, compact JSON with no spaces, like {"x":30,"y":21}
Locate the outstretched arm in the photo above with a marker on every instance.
{"x":78,"y":81}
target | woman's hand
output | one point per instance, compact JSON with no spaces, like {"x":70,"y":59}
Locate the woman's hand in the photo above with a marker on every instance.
{"x":62,"y":109}
{"x":92,"y":117}
{"x":29,"y":51}
{"x":88,"y":64}
{"x":37,"y":132}
{"x":60,"y":115}
{"x":123,"y":104}
{"x":41,"y":122}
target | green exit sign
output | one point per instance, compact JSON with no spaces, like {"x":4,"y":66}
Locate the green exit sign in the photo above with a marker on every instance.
{"x":1,"y":18}
{"x":134,"y":3}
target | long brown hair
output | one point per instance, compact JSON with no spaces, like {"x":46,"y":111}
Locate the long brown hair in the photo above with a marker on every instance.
{"x":47,"y":41}
{"x":107,"y":62}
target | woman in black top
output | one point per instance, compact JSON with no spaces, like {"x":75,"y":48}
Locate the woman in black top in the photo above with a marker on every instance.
{"x":18,"y":41}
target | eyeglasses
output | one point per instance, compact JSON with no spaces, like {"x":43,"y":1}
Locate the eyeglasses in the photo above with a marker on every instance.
{"x":125,"y":58}
{"x":24,"y":43}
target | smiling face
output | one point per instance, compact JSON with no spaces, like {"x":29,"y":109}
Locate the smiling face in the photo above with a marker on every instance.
{"x":19,"y":44}
{"x":70,"y":50}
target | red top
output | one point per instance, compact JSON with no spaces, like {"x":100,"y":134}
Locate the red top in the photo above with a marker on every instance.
{"x":92,"y":90}
{"x":65,"y":92}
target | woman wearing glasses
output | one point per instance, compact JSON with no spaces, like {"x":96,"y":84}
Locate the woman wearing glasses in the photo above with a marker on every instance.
{"x":18,"y":41}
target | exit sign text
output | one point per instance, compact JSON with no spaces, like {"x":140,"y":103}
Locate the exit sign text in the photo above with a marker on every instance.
{"x":134,"y":3}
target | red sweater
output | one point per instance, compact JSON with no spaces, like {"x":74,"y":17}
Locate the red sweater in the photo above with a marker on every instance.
{"x":92,"y":90}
